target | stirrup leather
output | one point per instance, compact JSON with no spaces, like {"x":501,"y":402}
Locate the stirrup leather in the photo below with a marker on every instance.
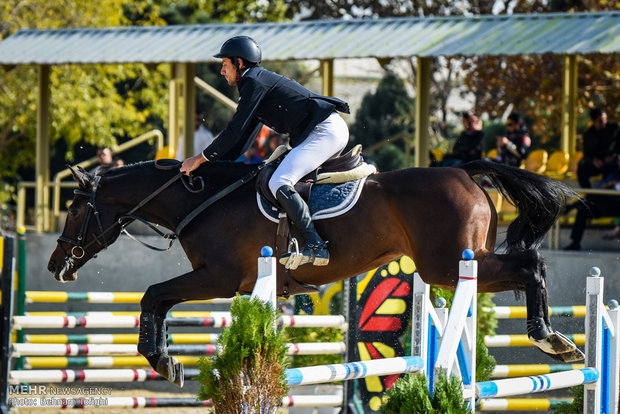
{"x":315,"y":254}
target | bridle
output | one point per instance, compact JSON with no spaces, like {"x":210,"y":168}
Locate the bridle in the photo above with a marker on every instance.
{"x":80,"y":247}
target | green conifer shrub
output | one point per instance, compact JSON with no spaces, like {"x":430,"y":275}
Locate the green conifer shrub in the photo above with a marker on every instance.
{"x":248,"y":374}
{"x":410,"y":395}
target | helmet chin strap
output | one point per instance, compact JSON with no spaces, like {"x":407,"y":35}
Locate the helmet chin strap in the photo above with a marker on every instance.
{"x":235,"y":61}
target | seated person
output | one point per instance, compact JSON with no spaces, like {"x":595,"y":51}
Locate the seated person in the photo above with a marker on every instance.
{"x":613,"y":234}
{"x":106,"y":161}
{"x":601,"y":142}
{"x":468,"y":146}
{"x":513,"y":148}
{"x":596,"y":205}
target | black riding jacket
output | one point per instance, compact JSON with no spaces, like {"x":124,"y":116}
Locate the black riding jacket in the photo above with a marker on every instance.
{"x":276,"y":101}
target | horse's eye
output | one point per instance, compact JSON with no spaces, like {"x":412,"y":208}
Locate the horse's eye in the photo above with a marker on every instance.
{"x":74,"y":212}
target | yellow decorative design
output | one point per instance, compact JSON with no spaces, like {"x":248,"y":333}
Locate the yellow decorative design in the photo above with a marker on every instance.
{"x":361,"y":285}
{"x":392,"y":307}
{"x":407,"y":265}
{"x":386,"y":351}
{"x":393,"y":268}
{"x":375,"y":403}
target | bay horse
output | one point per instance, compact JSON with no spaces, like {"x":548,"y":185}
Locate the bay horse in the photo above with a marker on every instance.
{"x":428,"y":214}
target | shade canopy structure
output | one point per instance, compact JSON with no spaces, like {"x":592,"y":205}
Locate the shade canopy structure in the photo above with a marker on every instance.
{"x":524,"y":34}
{"x":565,"y":34}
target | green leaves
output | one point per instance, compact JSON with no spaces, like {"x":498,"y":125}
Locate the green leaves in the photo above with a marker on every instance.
{"x":410,"y":394}
{"x":249,"y":370}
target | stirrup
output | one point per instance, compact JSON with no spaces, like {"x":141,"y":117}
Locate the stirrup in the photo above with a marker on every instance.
{"x":314,"y":254}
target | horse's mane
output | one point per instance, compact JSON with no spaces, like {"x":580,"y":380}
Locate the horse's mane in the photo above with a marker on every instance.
{"x":214,"y":167}
{"x":127,"y":168}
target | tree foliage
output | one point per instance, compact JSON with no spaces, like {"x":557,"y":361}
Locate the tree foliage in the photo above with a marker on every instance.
{"x":410,"y":394}
{"x":386,"y":113}
{"x":93,"y":103}
{"x":533,"y":84}
{"x":97,"y":105}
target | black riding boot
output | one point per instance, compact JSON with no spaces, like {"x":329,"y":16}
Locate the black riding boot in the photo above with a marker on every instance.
{"x":314,"y":249}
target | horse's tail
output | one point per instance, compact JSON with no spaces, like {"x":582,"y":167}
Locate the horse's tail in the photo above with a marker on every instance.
{"x":539,"y":199}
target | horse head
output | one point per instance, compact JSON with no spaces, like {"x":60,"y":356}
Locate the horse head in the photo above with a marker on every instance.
{"x":87,"y":230}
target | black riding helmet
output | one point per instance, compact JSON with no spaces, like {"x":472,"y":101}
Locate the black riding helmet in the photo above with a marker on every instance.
{"x":243,"y":47}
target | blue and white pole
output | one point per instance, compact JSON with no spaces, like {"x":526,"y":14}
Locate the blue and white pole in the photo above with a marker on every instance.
{"x":353,"y":370}
{"x":538,"y":383}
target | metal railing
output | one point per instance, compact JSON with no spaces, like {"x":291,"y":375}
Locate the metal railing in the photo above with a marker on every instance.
{"x":57,"y":183}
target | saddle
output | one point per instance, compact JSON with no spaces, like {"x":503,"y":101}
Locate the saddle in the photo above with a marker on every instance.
{"x":347,"y":167}
{"x":339,"y":169}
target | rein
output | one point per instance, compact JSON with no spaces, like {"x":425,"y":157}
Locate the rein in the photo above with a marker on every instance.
{"x":80,"y":248}
{"x":217,"y":196}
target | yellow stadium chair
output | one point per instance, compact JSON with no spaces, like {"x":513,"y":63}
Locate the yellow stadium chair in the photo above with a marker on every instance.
{"x":492,"y":153}
{"x":165,"y":152}
{"x":557,"y":165}
{"x":536,"y":161}
{"x":496,"y":198}
{"x":438,"y":153}
{"x":573,"y":162}
{"x":507,"y":213}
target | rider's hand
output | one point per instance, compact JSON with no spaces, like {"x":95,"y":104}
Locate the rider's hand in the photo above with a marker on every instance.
{"x":192,"y":163}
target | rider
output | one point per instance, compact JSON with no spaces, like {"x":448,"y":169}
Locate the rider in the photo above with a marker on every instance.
{"x":317,"y":133}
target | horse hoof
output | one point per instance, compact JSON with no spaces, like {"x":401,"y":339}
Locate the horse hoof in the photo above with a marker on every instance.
{"x":171,"y":369}
{"x":179,"y":373}
{"x":558,"y":347}
{"x":572,"y":356}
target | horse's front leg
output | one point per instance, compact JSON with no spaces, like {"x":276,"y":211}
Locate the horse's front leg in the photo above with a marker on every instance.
{"x":155,"y":304}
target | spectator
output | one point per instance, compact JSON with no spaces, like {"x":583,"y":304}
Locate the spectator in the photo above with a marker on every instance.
{"x":250,"y":156}
{"x":274,"y":140}
{"x":468,"y":146}
{"x":202,"y":138}
{"x":615,"y":233}
{"x":513,"y":148}
{"x":106,"y":161}
{"x":601,"y":144}
{"x":596,"y":205}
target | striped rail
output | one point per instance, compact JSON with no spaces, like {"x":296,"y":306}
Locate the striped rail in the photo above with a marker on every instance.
{"x":303,"y":348}
{"x":173,"y":338}
{"x":497,"y":341}
{"x":533,"y":384}
{"x":353,"y":370}
{"x":221,"y":321}
{"x":96,"y":297}
{"x":520,"y":312}
{"x":520,"y":404}
{"x":525,"y":370}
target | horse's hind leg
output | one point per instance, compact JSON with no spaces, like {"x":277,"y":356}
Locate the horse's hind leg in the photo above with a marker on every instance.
{"x":155,"y":304}
{"x":526,"y":271}
{"x":539,"y":330}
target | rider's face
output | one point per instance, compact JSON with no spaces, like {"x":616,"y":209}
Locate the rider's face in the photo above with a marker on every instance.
{"x":229,"y":71}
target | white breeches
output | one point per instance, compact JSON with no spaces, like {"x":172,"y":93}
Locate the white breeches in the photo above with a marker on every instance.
{"x":327,"y":139}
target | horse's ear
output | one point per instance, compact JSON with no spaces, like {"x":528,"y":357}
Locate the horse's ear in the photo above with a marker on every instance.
{"x":83,"y":178}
